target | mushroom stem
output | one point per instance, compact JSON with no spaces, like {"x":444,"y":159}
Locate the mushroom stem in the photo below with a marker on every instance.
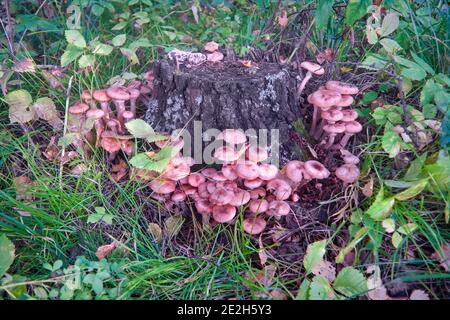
{"x":303,"y":83}
{"x":330,"y":140}
{"x":314,"y":120}
{"x":319,"y":129}
{"x":344,"y":140}
{"x":120,"y":105}
{"x":106,"y":109}
{"x":99,"y":128}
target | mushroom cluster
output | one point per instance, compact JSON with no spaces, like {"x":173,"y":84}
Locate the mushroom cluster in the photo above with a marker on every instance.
{"x":331,"y":104}
{"x":106,"y":111}
{"x":261,"y":189}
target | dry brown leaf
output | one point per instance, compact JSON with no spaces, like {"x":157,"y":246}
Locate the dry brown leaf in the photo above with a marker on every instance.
{"x":325,"y":269}
{"x":105,"y":250}
{"x":283,"y":19}
{"x":262,"y":253}
{"x":245,"y":63}
{"x":51,"y":151}
{"x":419,"y":295}
{"x":367,"y":190}
{"x":155,"y":230}
{"x":79,"y":169}
{"x":443,"y":256}
{"x":24,"y":65}
{"x":325,"y":55}
{"x":278,"y":294}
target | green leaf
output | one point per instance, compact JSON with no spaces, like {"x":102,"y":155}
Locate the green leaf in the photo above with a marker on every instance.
{"x":303,"y":290}
{"x":412,"y":191}
{"x":396,"y":239}
{"x":130,"y":54}
{"x":100,"y":215}
{"x":102,"y":49}
{"x":373,"y":62}
{"x":86,"y":60}
{"x":140,"y":43}
{"x":381,"y":208}
{"x":371,"y":34}
{"x":369,"y":96}
{"x":398,"y":183}
{"x":407,"y":229}
{"x":388,"y":225}
{"x":20,"y":110}
{"x":157,"y":163}
{"x":314,"y":255}
{"x":391,"y":46}
{"x":422,"y":63}
{"x":350,"y":282}
{"x":119,"y":26}
{"x":412,"y":71}
{"x":391,"y":143}
{"x":360,"y":234}
{"x":389,"y":24}
{"x":97,"y":10}
{"x":415,"y":168}
{"x":356,"y":9}
{"x":119,"y":40}
{"x":140,"y":129}
{"x":429,"y":111}
{"x":70,"y":54}
{"x":442,"y":100}
{"x":320,"y":289}
{"x":75,"y":38}
{"x":7,"y":254}
{"x":324,"y":9}
{"x":428,"y":92}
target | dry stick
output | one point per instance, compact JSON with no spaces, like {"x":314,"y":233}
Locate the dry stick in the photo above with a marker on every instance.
{"x":66,"y":114}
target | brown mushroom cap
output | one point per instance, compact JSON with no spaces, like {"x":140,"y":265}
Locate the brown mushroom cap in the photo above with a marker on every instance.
{"x":247,"y":170}
{"x":101,"y":96}
{"x":294,"y":170}
{"x":256,"y":154}
{"x":86,"y":96}
{"x":349,"y":115}
{"x":334,"y":128}
{"x":324,"y":98}
{"x":312,"y":67}
{"x":258,"y":206}
{"x":316,"y":170}
{"x":79,"y":108}
{"x":278,"y":208}
{"x":224,"y":213}
{"x":118,"y":93}
{"x":211,"y":46}
{"x":353,"y":127}
{"x":232,"y":136}
{"x":134,"y":93}
{"x":254,"y":225}
{"x":163,"y":186}
{"x":241,"y":197}
{"x":216,"y":56}
{"x":110,"y":144}
{"x":348,"y":173}
{"x":267,"y":171}
{"x":95,"y":114}
{"x":341,"y":87}
{"x":226,"y":154}
{"x":332,"y":115}
{"x":345,"y":101}
{"x":221,"y":196}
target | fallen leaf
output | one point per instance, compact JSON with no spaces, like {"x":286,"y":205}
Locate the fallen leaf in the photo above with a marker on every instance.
{"x":51,"y":151}
{"x":155,"y":230}
{"x":262,"y":253}
{"x":443,"y":256}
{"x":172,"y":225}
{"x":278,"y":294}
{"x":325,"y":55}
{"x":325,"y":269}
{"x":283,"y":19}
{"x":105,"y":250}
{"x":419,"y":295}
{"x":24,"y":65}
{"x":245,"y":63}
{"x":79,"y":169}
{"x":367,"y":190}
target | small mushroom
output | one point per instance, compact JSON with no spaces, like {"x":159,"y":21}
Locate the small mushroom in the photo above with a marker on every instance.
{"x":78,"y":110}
{"x":348,"y":157}
{"x":345,"y":101}
{"x":228,"y":172}
{"x":97,"y":115}
{"x":294,"y":170}
{"x":224,"y":213}
{"x":330,"y":116}
{"x":178,"y":196}
{"x":348,"y":173}
{"x":240,"y":198}
{"x":267,"y":171}
{"x":254,"y":225}
{"x":134,"y":95}
{"x":247,"y":170}
{"x":349,"y":115}
{"x":163,"y":186}
{"x":221,"y":196}
{"x":253,"y":184}
{"x":281,"y":189}
{"x":127,"y":116}
{"x":232,"y":136}
{"x":351,"y":128}
{"x":316,"y":170}
{"x":226,"y":154}
{"x":257,"y":193}
{"x":102,"y":97}
{"x":203,"y":206}
{"x":333,"y":130}
{"x":258,"y":206}
{"x":111,"y":145}
{"x":211,"y":46}
{"x":195,"y":179}
{"x":278,"y":208}
{"x":256,"y":154}
{"x":322,"y":99}
{"x":214,"y":57}
{"x":119,"y":95}
{"x":341,"y":87}
{"x":311,"y":68}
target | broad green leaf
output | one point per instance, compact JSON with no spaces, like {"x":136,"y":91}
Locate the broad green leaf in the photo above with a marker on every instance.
{"x":415,"y":168}
{"x":388,"y":225}
{"x":429,"y":111}
{"x":369,"y":96}
{"x":389,"y":24}
{"x":70,"y":54}
{"x":157,"y":163}
{"x":324,"y":10}
{"x":412,"y":191}
{"x":391,"y":143}
{"x":371,"y":34}
{"x":422,"y":63}
{"x":102,"y":49}
{"x":412,"y":71}
{"x":130,"y":54}
{"x":381,"y":208}
{"x":140,"y":129}
{"x":360,"y":234}
{"x":373,"y":62}
{"x":303,"y":291}
{"x":320,"y":289}
{"x":350,"y":282}
{"x":391,"y":46}
{"x":140,"y":43}
{"x":396,"y":239}
{"x":119,"y":26}
{"x":442,"y":79}
{"x":7,"y":254}
{"x":86,"y":60}
{"x":314,"y":255}
{"x":19,"y":102}
{"x":97,"y":10}
{"x":119,"y":40}
{"x":356,"y":9}
{"x":398,"y":183}
{"x":75,"y":38}
{"x":407,"y":229}
{"x":442,"y":100}
{"x":428,"y":91}
{"x":100,"y":215}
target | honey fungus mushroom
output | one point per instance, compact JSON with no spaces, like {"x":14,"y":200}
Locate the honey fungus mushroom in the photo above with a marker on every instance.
{"x":254,"y":225}
{"x":348,"y":173}
{"x":322,"y":99}
{"x":311,"y":68}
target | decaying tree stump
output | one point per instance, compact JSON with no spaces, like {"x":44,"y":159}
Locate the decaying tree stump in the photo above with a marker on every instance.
{"x":226,"y":95}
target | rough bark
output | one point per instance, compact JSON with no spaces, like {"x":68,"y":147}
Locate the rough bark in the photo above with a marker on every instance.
{"x":226,"y":95}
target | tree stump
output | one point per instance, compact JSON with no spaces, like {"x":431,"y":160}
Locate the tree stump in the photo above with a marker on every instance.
{"x":226,"y":95}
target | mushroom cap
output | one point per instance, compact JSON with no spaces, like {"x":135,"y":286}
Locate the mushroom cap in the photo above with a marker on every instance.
{"x":345,"y":101}
{"x":341,"y":87}
{"x":256,"y":154}
{"x":258,"y":192}
{"x":258,"y":206}
{"x":134,"y":93}
{"x":224,"y":213}
{"x":211,"y":46}
{"x":95,"y":114}
{"x":278,"y":208}
{"x":332,"y":115}
{"x":101,"y":96}
{"x":312,"y":67}
{"x":188,"y":189}
{"x":86,"y":95}
{"x":209,"y":172}
{"x":195,"y":179}
{"x":221,"y":196}
{"x":334,"y":128}
{"x":216,"y":56}
{"x":240,"y":198}
{"x":232,"y":136}
{"x":163,"y":186}
{"x":228,"y":172}
{"x":281,"y":188}
{"x":247,"y":170}
{"x":316,"y":170}
{"x":253,"y":184}
{"x":110,"y":144}
{"x":353,"y":127}
{"x":178,"y":196}
{"x":348,"y":173}
{"x":118,"y":93}
{"x":176,"y":171}
{"x":226,"y":154}
{"x":254,"y":225}
{"x":203,"y":206}
{"x":349,"y":115}
{"x":79,"y":108}
{"x":324,"y":98}
{"x":219,"y":177}
{"x":128,"y":115}
{"x":267,"y":171}
{"x":294,"y":170}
